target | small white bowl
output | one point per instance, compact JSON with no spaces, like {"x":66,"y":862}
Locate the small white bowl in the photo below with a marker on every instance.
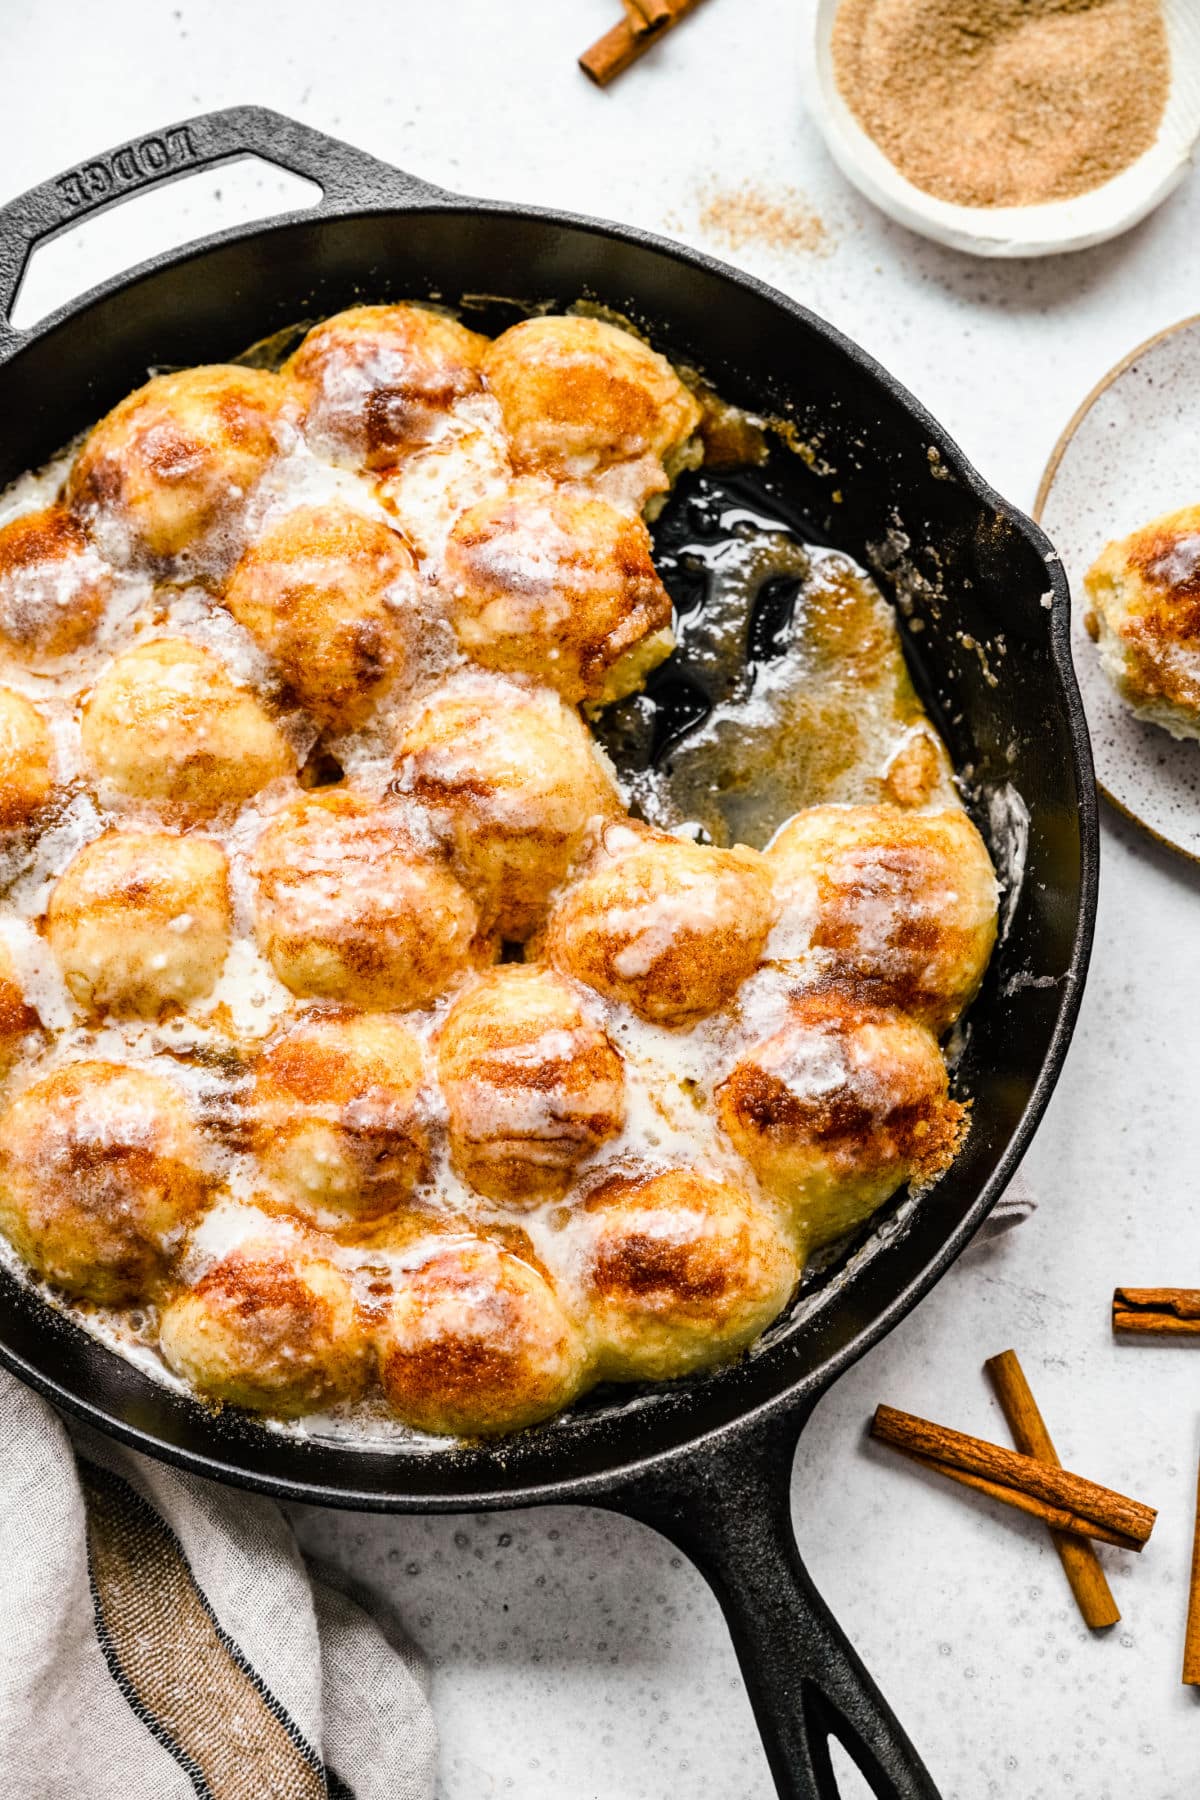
{"x":1042,"y":230}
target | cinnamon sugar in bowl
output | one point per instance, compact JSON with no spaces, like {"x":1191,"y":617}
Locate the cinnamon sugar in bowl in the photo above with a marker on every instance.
{"x":1010,"y":127}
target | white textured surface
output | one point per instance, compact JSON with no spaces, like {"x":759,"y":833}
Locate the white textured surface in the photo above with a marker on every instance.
{"x":577,"y":1658}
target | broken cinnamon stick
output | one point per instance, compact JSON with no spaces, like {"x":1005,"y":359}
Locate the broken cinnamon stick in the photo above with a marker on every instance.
{"x":647,"y":15}
{"x":1010,"y":1470}
{"x":1081,"y":1565}
{"x":621,"y":47}
{"x":1169,"y":1311}
{"x":1191,"y":1642}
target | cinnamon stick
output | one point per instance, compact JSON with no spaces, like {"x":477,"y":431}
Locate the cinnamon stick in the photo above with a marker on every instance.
{"x":1009,"y":1469}
{"x":621,"y":47}
{"x":647,"y":15}
{"x":1081,"y":1565}
{"x":1191,"y":1642}
{"x":1054,"y":1516}
{"x":1169,"y":1311}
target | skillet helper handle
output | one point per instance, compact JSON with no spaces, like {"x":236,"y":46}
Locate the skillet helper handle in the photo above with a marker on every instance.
{"x":730,"y":1513}
{"x":348,"y":178}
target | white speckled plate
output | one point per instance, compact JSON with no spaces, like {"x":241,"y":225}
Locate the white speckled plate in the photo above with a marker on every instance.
{"x":1132,"y":451}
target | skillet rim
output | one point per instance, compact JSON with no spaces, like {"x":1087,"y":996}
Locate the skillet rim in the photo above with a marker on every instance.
{"x":790,"y":1396}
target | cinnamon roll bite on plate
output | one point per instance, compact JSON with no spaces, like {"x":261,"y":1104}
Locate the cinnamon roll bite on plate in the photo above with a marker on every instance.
{"x":1144,"y":618}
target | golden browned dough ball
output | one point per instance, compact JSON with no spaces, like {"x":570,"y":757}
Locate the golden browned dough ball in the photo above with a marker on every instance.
{"x":140,"y":922}
{"x":337,"y":1117}
{"x":665,"y":926}
{"x":1144,"y":617}
{"x":174,"y":463}
{"x":903,"y":902}
{"x":167,"y":723}
{"x":838,"y":1108}
{"x":101,"y":1172}
{"x":579,"y":396}
{"x":18,"y":1020}
{"x":272,"y":1327}
{"x":380,"y":380}
{"x":515,"y":779}
{"x":328,"y":593}
{"x":351,"y":908}
{"x":476,"y":1343}
{"x":532,"y":1085}
{"x":26,"y":760}
{"x":53,"y":585}
{"x":681,"y":1271}
{"x":557,"y":584}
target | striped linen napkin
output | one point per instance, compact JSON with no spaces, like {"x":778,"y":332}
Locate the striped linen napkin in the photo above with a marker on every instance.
{"x":164,"y":1639}
{"x":1013,"y":1207}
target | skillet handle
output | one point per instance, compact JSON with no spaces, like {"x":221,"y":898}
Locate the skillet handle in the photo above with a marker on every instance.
{"x":348,"y":178}
{"x":729,"y":1511}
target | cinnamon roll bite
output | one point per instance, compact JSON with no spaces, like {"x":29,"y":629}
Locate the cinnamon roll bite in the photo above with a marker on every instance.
{"x":351,"y":907}
{"x":838,"y":1108}
{"x":164,"y":479}
{"x":681,"y":1271}
{"x":379,"y":381}
{"x":516,"y":783}
{"x":532,"y":1084}
{"x":337,"y":1120}
{"x":1144,"y":617}
{"x":585,"y":400}
{"x":902,"y":903}
{"x":554,"y":583}
{"x":140,"y":922}
{"x":329,"y":594}
{"x":101,"y":1172}
{"x":26,"y":761}
{"x":272,"y":1327}
{"x":667,"y":927}
{"x":476,"y":1342}
{"x":166,"y":723}
{"x":53,"y":585}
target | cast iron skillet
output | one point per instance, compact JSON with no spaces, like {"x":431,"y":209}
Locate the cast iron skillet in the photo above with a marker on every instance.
{"x":708,"y":1461}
